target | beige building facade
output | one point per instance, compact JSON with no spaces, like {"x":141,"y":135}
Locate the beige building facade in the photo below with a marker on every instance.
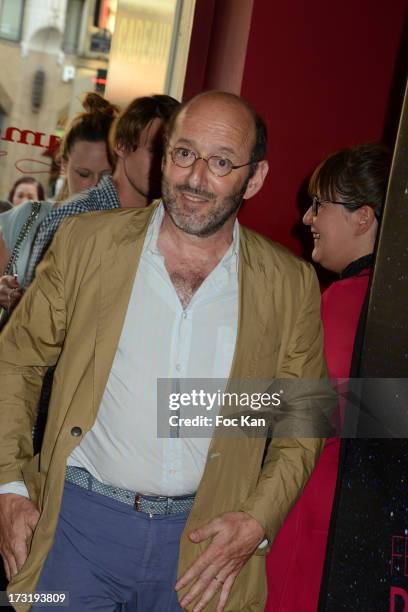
{"x":52,"y":51}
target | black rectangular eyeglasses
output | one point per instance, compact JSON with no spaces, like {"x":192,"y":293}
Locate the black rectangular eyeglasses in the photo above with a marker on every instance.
{"x":317,"y":202}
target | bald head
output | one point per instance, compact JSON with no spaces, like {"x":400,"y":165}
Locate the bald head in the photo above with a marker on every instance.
{"x":240,"y":113}
{"x":209,"y":166}
{"x":222,"y":100}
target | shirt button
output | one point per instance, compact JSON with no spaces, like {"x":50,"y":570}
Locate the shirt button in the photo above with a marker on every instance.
{"x":178,"y":367}
{"x":184,"y":315}
{"x":76,"y":432}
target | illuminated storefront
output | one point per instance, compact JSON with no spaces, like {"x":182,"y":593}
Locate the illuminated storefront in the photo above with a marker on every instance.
{"x":53,"y":51}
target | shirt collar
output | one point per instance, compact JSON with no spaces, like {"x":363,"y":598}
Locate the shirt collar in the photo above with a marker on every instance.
{"x":108,"y":190}
{"x":152,"y":234}
{"x":357,"y":266}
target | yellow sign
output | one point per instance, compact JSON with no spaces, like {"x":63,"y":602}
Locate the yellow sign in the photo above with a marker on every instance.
{"x":140,"y":50}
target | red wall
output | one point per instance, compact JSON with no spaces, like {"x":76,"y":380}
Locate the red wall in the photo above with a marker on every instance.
{"x":320,"y":72}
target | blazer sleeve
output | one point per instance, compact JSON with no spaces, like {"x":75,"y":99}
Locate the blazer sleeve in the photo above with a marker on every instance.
{"x":29,"y":344}
{"x":298,"y":435}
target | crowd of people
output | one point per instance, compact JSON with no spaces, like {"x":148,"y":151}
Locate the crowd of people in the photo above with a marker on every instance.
{"x":160,"y":281}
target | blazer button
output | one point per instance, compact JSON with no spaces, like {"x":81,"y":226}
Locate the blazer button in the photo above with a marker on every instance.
{"x":76,"y":432}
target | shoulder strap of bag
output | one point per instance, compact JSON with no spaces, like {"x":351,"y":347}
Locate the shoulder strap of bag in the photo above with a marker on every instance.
{"x":35,"y":211}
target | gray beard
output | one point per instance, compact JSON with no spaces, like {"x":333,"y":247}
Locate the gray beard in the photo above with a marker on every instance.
{"x":214,"y":221}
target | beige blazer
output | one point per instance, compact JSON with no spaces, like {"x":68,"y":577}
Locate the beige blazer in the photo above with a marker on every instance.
{"x":71,"y":318}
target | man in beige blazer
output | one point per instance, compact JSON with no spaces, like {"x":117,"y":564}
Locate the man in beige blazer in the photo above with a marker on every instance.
{"x":73,"y":316}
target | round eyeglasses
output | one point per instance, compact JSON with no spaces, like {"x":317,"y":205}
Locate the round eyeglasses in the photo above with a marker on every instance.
{"x":219,"y":166}
{"x":317,"y":202}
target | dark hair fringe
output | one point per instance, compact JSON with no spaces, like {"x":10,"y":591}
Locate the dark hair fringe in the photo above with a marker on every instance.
{"x":355,"y":175}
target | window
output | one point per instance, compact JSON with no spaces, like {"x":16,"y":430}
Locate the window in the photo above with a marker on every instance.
{"x":73,"y":21}
{"x":11,"y":16}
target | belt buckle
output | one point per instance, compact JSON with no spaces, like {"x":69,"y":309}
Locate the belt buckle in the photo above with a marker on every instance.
{"x":137,"y":504}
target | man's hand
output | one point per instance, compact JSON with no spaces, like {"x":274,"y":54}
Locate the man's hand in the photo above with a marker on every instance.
{"x":10,"y":292}
{"x":18,"y":518}
{"x":235,"y":537}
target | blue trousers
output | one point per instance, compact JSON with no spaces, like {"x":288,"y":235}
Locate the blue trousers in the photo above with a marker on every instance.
{"x":110,"y":558}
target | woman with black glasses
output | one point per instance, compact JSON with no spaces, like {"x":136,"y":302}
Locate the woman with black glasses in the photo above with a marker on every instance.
{"x":348,"y":192}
